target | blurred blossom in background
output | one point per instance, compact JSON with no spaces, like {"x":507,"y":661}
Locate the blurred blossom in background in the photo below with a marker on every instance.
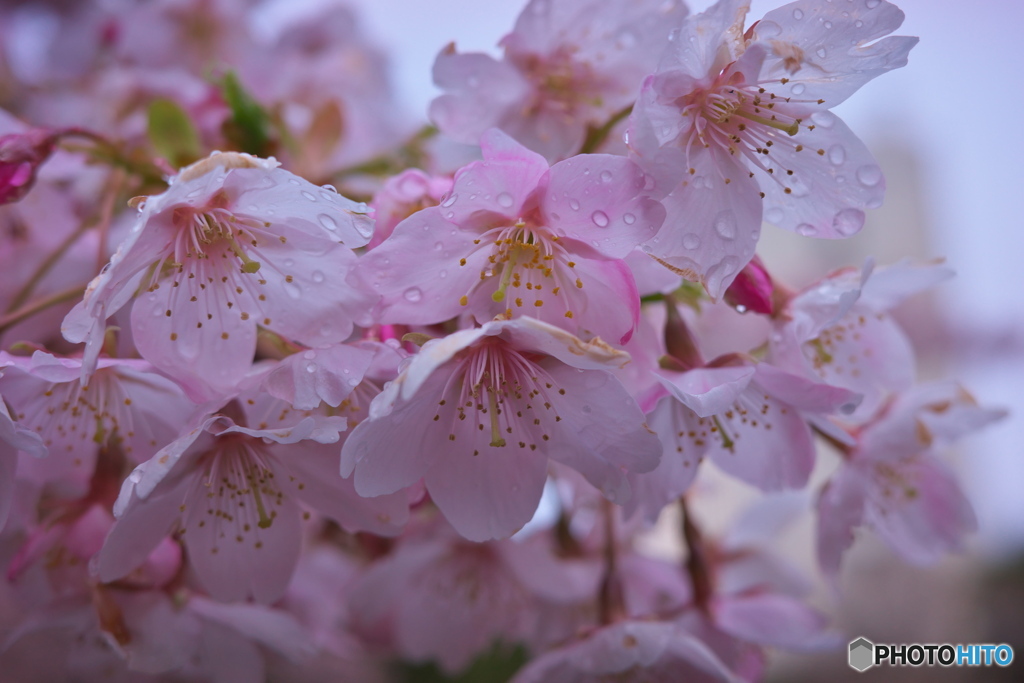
{"x":945,"y":131}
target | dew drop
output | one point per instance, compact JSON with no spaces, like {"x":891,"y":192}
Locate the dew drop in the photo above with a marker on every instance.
{"x":827,"y":24}
{"x":798,"y":89}
{"x":606,"y":176}
{"x":308,"y":195}
{"x":820,"y":52}
{"x":628,"y":218}
{"x":848,"y":221}
{"x":310,"y":368}
{"x":330,"y":188}
{"x":328,"y":222}
{"x":825,"y":119}
{"x":768,"y":29}
{"x":806,"y":229}
{"x":691,"y":240}
{"x":858,"y":24}
{"x":798,"y":14}
{"x":364,"y":226}
{"x":354,"y":382}
{"x":293,"y":290}
{"x":449,"y":200}
{"x":309,"y":355}
{"x":505,"y":200}
{"x":774,"y":215}
{"x":450,"y":215}
{"x":438,"y":246}
{"x":836,"y":154}
{"x":600,"y":219}
{"x":869,"y":175}
{"x":413,"y":294}
{"x":574,"y":205}
{"x":725,"y":225}
{"x":317,"y":276}
{"x":872,"y":4}
{"x":729,"y":265}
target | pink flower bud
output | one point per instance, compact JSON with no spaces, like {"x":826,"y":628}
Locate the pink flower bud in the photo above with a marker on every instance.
{"x":21,"y":155}
{"x":752,"y":289}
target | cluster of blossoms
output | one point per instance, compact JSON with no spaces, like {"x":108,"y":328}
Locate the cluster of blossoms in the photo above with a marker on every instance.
{"x":258,"y":427}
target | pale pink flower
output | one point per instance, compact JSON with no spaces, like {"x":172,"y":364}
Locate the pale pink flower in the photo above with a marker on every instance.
{"x":736,"y":127}
{"x":478,"y":414}
{"x":840,"y":331}
{"x":631,"y":650}
{"x":125,"y":405}
{"x":749,"y":419}
{"x":568,"y":64}
{"x":892,"y":481}
{"x":516,"y":237}
{"x":233,"y":244}
{"x":403,"y":195}
{"x":438,"y":597}
{"x":235,"y":492}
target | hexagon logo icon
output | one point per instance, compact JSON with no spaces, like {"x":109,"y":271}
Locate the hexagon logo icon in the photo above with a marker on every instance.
{"x":862,"y":654}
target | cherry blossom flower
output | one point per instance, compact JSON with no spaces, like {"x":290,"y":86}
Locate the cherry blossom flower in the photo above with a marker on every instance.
{"x":892,"y":481}
{"x":839,"y":331}
{"x":736,"y":127}
{"x":519,"y":238}
{"x":234,"y":243}
{"x":485,"y":409}
{"x":235,"y":493}
{"x":568,"y":64}
{"x":125,"y":405}
{"x":403,"y":195}
{"x":14,"y":437}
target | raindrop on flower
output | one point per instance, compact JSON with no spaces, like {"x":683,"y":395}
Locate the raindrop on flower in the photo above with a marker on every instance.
{"x":505,"y":200}
{"x":725,"y":225}
{"x":327,"y":221}
{"x":691,"y":240}
{"x":449,"y":200}
{"x":308,"y":195}
{"x":413,"y":294}
{"x":574,"y":205}
{"x":869,"y":175}
{"x":628,"y":218}
{"x":798,"y":14}
{"x":600,"y":219}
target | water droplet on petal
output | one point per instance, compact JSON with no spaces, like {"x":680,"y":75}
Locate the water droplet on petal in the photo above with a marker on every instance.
{"x":413,"y":294}
{"x":725,"y":225}
{"x":354,"y":382}
{"x":330,"y":188}
{"x":438,"y":246}
{"x":768,"y":29}
{"x":600,"y":219}
{"x":317,"y":276}
{"x":691,"y":240}
{"x":836,"y":154}
{"x":309,"y":355}
{"x":729,"y":265}
{"x":806,"y":229}
{"x":827,"y":24}
{"x":872,"y":4}
{"x":798,"y":14}
{"x":310,"y":368}
{"x":308,"y":195}
{"x":293,"y":290}
{"x":505,"y":200}
{"x":628,"y":218}
{"x":798,"y":88}
{"x":574,"y":205}
{"x":825,"y":119}
{"x":328,"y":222}
{"x":449,"y":200}
{"x":869,"y":175}
{"x":848,"y":221}
{"x":774,"y":215}
{"x":820,"y":52}
{"x":606,"y":176}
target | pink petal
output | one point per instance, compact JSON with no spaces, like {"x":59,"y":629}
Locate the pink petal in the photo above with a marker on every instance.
{"x":479,"y":89}
{"x":598,"y":199}
{"x":707,"y":391}
{"x":836,"y":41}
{"x":840,"y":510}
{"x":329,"y":375}
{"x":712,"y":226}
{"x":491,"y":495}
{"x":773,"y":620}
{"x":142,"y":524}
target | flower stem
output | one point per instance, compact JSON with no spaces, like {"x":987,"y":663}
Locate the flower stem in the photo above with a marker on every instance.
{"x":610,"y":601}
{"x":596,"y":136}
{"x":697,"y":564}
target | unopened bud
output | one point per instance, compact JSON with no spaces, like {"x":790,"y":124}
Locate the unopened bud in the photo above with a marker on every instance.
{"x":21,"y":155}
{"x":752,"y":289}
{"x":679,"y":341}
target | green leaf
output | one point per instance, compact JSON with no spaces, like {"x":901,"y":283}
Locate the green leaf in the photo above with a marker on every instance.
{"x":172,"y":133}
{"x":248,"y":129}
